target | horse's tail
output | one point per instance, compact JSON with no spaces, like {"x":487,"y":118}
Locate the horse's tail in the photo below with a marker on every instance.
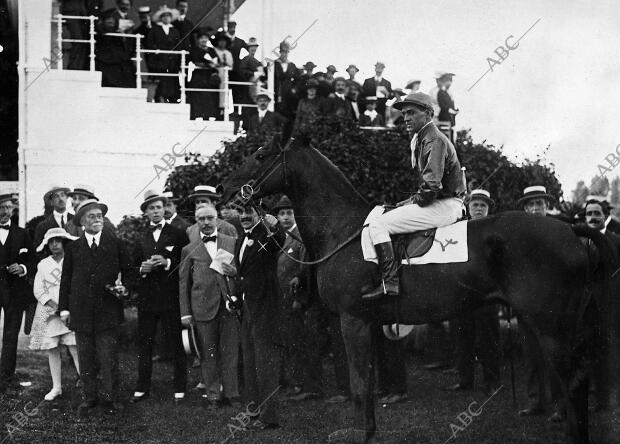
{"x":605,"y":351}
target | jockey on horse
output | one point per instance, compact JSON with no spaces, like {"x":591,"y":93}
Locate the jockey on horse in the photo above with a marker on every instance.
{"x":438,"y":200}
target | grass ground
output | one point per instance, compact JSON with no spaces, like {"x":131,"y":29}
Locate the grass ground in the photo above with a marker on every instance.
{"x":425,"y":418}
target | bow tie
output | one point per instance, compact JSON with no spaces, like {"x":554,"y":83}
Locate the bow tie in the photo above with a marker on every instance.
{"x":4,"y":227}
{"x":156,"y":227}
{"x":206,"y":239}
{"x":248,"y":234}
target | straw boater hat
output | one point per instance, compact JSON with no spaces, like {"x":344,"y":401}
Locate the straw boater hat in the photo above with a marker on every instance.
{"x":190,"y":344}
{"x":165,"y":10}
{"x":283,"y":204}
{"x":370,"y":99}
{"x":441,"y":74}
{"x":205,"y":191}
{"x":83,"y":190}
{"x":253,"y":42}
{"x":170,"y":196}
{"x":54,"y":233}
{"x":89,"y":205}
{"x":534,"y":192}
{"x":55,"y":188}
{"x":152,"y":196}
{"x":483,"y":195}
{"x":396,"y":332}
{"x":6,"y":196}
{"x":417,"y":98}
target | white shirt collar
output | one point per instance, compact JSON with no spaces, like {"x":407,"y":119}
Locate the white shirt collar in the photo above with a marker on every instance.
{"x":603,"y":230}
{"x":378,"y":79}
{"x":252,"y":229}
{"x":262,"y":112}
{"x":340,"y":95}
{"x":90,"y":237}
{"x":607,"y":221}
{"x":165,"y":27}
{"x":8,"y":223}
{"x":372,"y":114}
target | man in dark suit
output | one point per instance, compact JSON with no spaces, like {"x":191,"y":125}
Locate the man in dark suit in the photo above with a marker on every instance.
{"x":235,"y":47}
{"x":59,"y":217}
{"x":378,"y":87}
{"x":597,"y":211}
{"x":90,"y":301}
{"x":256,"y":260}
{"x":16,"y":261}
{"x":291,"y":276}
{"x":185,"y":26}
{"x":337,"y":103}
{"x":157,"y":257}
{"x":170,"y":213}
{"x":264,"y":122}
{"x":204,"y":295}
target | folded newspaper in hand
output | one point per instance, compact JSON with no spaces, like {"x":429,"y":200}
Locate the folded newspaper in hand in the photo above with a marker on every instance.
{"x":222,"y":256}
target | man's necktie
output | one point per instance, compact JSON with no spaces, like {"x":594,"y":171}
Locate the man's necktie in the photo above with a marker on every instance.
{"x":156,"y":227}
{"x":93,"y":246}
{"x":206,"y":239}
{"x":62,"y":221}
{"x":4,"y":227}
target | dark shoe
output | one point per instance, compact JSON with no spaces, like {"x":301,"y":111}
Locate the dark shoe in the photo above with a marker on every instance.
{"x":135,"y":399}
{"x":259,"y":425}
{"x":458,"y":387}
{"x":533,"y":410}
{"x":389,"y":271}
{"x":305,"y":396}
{"x":338,"y":399}
{"x":84,"y":408}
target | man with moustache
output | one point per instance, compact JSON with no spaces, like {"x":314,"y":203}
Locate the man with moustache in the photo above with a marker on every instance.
{"x":170,"y":212}
{"x":16,"y":261}
{"x":256,"y":256}
{"x":157,"y":257}
{"x":79,"y":194}
{"x":59,"y":217}
{"x":478,"y":332}
{"x":208,"y":196}
{"x":205,"y":295}
{"x":437,"y":201}
{"x":597,"y":213}
{"x":90,"y":300}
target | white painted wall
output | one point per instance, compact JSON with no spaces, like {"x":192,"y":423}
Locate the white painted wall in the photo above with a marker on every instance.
{"x":72,"y":130}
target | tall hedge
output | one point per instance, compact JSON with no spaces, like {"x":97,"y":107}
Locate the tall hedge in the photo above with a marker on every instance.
{"x":377,"y":163}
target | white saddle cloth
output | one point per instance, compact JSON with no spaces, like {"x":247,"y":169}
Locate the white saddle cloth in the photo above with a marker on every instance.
{"x":449,"y":245}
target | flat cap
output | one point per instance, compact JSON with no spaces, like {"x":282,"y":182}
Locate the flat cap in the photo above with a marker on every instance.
{"x":417,"y":98}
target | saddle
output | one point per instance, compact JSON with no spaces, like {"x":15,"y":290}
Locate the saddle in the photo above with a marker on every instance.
{"x":415,"y":244}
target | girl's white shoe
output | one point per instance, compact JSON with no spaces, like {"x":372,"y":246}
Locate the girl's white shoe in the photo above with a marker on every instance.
{"x":53,"y":394}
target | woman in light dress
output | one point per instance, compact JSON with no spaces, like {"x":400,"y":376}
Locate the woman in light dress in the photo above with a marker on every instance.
{"x":48,"y":331}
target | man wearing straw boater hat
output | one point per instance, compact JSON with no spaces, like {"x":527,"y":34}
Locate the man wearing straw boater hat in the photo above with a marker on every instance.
{"x":206,"y":195}
{"x":91,"y":302}
{"x":16,"y":261}
{"x":57,"y":194}
{"x":535,"y":200}
{"x":157,"y":257}
{"x":437,"y":200}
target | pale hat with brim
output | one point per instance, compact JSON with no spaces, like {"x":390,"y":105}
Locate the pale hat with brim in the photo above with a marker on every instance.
{"x":165,"y":10}
{"x":252,"y":42}
{"x":483,"y":195}
{"x":190,"y":344}
{"x":205,"y":191}
{"x":440,"y":74}
{"x":534,"y":192}
{"x":84,"y":190}
{"x":396,"y":332}
{"x":170,"y":196}
{"x":151,"y":196}
{"x":54,"y":233}
{"x":418,"y":99}
{"x":6,"y":196}
{"x":87,"y":205}
{"x":55,"y":188}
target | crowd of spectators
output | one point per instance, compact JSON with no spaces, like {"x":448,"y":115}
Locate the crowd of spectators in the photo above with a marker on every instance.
{"x":300,"y":93}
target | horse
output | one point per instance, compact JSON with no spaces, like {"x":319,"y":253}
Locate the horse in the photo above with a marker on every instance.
{"x":536,"y":265}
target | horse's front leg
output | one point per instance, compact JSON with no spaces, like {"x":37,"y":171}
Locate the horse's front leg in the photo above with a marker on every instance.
{"x":358,"y":339}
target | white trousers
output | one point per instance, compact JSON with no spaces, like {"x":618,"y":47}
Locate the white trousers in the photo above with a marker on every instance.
{"x":413,"y":217}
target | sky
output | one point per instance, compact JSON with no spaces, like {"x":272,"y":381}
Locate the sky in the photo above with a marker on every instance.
{"x":559,"y":88}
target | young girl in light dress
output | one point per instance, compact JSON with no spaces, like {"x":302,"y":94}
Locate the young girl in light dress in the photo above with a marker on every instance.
{"x":48,"y":331}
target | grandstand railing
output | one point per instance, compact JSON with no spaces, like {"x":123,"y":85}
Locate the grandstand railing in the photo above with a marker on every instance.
{"x":225,"y":83}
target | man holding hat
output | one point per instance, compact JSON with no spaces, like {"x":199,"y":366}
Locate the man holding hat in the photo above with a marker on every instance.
{"x":478,"y":332}
{"x":264,"y":122}
{"x":378,"y":87}
{"x":79,"y":194}
{"x":59,"y":217}
{"x":206,"y":195}
{"x":436,"y":202}
{"x":90,"y":300}
{"x":157,"y":257}
{"x":16,"y":261}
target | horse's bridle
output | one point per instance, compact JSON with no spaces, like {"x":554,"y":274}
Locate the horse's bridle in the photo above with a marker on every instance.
{"x":248,"y":190}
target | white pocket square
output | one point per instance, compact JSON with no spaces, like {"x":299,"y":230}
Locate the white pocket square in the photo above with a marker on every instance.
{"x":23,"y":250}
{"x":169,"y":247}
{"x":290,"y":250}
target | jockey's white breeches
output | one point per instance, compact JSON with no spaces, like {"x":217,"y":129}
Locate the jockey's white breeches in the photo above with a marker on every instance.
{"x":413,"y":217}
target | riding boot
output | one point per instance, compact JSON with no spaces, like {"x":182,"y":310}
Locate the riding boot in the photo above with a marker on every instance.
{"x":389,"y":271}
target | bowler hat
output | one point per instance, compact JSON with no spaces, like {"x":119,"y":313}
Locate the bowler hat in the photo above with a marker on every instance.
{"x":51,"y":234}
{"x":89,"y":205}
{"x":263,"y":96}
{"x":534,"y":192}
{"x":331,"y":68}
{"x":417,"y":98}
{"x":83,"y":190}
{"x":483,"y":195}
{"x":282,"y":204}
{"x":309,"y":65}
{"x":205,"y":191}
{"x":152,"y":196}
